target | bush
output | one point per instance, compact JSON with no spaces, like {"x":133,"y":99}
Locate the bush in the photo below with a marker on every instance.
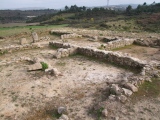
{"x":44,"y":65}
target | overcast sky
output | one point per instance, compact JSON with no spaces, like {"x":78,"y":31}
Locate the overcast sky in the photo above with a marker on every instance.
{"x":57,"y":4}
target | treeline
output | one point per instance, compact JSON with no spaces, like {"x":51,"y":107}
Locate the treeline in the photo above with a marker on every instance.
{"x":97,"y":13}
{"x":84,"y":12}
{"x":152,"y":8}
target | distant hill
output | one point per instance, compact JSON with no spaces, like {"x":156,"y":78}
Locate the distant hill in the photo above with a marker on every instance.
{"x":31,"y":8}
{"x":10,"y":16}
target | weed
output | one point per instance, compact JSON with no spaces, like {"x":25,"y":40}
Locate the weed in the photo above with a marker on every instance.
{"x":102,"y":47}
{"x":148,"y":89}
{"x":61,"y":63}
{"x":44,"y":66}
{"x":99,"y":113}
{"x":53,"y":113}
{"x":3,"y":52}
{"x":14,"y":98}
{"x":16,"y":105}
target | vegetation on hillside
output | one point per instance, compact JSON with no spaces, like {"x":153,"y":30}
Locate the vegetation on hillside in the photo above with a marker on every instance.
{"x":9,"y":16}
{"x":144,"y":18}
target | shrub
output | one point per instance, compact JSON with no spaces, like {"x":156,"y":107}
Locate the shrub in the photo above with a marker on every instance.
{"x":44,"y":65}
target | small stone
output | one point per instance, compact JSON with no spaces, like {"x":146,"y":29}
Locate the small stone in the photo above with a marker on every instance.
{"x":148,"y":79}
{"x":105,"y":112}
{"x":56,"y":72}
{"x":131,"y":87}
{"x":127,"y":92}
{"x":38,"y":60}
{"x":115,"y":90}
{"x":112,"y":97}
{"x":116,"y":118}
{"x":143,"y":73}
{"x":62,"y":110}
{"x":36,"y":66}
{"x":23,"y":41}
{"x":122,"y":98}
{"x":64,"y":117}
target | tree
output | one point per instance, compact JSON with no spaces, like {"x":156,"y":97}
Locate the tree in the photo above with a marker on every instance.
{"x":129,"y":9}
{"x":66,"y":8}
{"x":84,"y":8}
{"x":144,"y":3}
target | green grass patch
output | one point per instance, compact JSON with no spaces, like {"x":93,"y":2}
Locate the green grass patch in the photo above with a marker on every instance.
{"x":148,"y":90}
{"x":125,"y":47}
{"x":44,"y":66}
{"x":53,"y":114}
{"x":99,"y":113}
{"x":7,"y":31}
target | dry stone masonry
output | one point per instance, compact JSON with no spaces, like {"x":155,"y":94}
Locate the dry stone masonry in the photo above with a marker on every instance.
{"x":13,"y":48}
{"x":108,"y":56}
{"x":73,"y":35}
{"x":119,"y":43}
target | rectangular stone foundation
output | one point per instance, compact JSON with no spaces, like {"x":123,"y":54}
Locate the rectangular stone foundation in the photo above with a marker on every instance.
{"x":108,"y":56}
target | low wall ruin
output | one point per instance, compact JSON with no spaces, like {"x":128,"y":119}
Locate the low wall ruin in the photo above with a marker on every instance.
{"x":67,"y":36}
{"x":13,"y":48}
{"x":117,"y":58}
{"x":118,"y":43}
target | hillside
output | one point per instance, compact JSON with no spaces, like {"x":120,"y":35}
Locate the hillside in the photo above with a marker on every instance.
{"x":143,"y":18}
{"x":8,"y":16}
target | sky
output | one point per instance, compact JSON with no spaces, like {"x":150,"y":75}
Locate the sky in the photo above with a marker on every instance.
{"x":58,"y":4}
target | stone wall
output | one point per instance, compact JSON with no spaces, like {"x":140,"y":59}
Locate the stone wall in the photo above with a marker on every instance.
{"x":13,"y":48}
{"x":118,"y":43}
{"x":148,"y":42}
{"x":117,"y":58}
{"x":74,"y":35}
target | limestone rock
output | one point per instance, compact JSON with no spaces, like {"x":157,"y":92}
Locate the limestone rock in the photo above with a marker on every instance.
{"x":115,"y":90}
{"x":53,"y":71}
{"x":122,"y":98}
{"x":112,"y":97}
{"x":143,"y":72}
{"x":56,"y":72}
{"x":127,"y":92}
{"x":62,"y":110}
{"x":64,"y":117}
{"x":38,"y":60}
{"x":105,"y":112}
{"x":23,"y":41}
{"x":131,"y":87}
{"x":36,"y":66}
{"x":35,"y":37}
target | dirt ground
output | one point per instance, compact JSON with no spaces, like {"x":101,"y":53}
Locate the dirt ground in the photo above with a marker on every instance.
{"x":81,"y":87}
{"x":144,"y":53}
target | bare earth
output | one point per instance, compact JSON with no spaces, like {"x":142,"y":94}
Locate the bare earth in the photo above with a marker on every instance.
{"x":81,"y":87}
